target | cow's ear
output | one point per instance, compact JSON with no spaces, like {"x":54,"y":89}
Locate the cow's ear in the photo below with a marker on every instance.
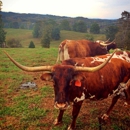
{"x":77,"y":77}
{"x":77,"y":80}
{"x":46,"y":76}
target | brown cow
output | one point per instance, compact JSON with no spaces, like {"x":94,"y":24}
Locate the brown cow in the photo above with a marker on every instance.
{"x":82,"y":48}
{"x":77,"y":83}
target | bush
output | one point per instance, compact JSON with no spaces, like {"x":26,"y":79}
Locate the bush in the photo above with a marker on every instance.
{"x":31,"y":45}
{"x":14,"y":43}
{"x":89,"y":37}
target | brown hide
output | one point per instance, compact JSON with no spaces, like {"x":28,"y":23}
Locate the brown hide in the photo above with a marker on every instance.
{"x":104,"y":81}
{"x":79,"y":48}
{"x":77,"y":86}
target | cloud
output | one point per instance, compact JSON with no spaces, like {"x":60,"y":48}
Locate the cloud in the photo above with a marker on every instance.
{"x":72,"y":8}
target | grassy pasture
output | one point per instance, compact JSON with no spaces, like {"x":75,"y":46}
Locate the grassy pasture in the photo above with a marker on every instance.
{"x":32,"y":109}
{"x":25,"y":36}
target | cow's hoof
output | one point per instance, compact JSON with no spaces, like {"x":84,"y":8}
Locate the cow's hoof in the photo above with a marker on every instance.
{"x":56,"y":122}
{"x":105,"y":117}
{"x":69,"y":128}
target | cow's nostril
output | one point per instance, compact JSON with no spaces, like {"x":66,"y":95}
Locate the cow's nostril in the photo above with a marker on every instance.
{"x":61,"y":106}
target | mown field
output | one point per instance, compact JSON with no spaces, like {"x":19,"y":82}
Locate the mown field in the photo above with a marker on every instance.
{"x":32,"y":109}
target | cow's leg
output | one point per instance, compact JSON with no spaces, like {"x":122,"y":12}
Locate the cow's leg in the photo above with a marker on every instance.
{"x":75,"y":112}
{"x":106,"y":115}
{"x":114,"y":100}
{"x":58,"y":120}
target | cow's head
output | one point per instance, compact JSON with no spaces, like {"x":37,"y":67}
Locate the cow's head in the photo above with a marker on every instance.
{"x":108,"y":45}
{"x":62,"y":76}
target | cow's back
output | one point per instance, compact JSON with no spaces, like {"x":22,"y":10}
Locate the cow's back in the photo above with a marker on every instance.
{"x":77,"y":48}
{"x":108,"y":78}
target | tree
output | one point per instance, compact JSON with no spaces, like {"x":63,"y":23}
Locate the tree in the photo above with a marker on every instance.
{"x":2,"y":32}
{"x":31,"y":45}
{"x":41,"y":27}
{"x":15,"y":25}
{"x":111,"y":32}
{"x":65,"y":25}
{"x":55,"y":34}
{"x":95,"y":28}
{"x":45,"y":41}
{"x":80,"y":26}
{"x":123,"y":35}
{"x":37,"y":30}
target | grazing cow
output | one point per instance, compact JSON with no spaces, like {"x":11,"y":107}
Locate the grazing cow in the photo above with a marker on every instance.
{"x":74,"y":81}
{"x":82,"y":48}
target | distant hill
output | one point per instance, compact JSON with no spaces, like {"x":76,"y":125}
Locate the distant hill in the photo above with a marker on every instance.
{"x":27,"y":20}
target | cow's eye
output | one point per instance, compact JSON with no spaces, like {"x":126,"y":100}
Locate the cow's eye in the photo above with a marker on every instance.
{"x":70,"y":82}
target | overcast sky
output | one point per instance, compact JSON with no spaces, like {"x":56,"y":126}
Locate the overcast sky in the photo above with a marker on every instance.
{"x":104,"y":9}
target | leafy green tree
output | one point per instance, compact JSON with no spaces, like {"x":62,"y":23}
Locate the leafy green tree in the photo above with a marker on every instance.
{"x":2,"y":32}
{"x":65,"y":25}
{"x":95,"y":28}
{"x":45,"y":41}
{"x":31,"y":45}
{"x":55,"y":34}
{"x":80,"y":26}
{"x":41,"y":26}
{"x":111,"y":32}
{"x":37,"y":30}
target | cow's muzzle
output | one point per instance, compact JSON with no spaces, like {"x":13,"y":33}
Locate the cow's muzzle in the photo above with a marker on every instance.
{"x":61,"y":106}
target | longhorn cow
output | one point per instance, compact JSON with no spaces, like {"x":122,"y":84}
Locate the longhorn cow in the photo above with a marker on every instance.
{"x":74,"y":81}
{"x":83,"y":48}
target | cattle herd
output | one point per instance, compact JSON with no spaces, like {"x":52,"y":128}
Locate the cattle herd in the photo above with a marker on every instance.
{"x":87,"y":71}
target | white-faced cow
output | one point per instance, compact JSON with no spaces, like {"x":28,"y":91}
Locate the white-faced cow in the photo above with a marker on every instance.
{"x":83,"y":48}
{"x":78,"y":79}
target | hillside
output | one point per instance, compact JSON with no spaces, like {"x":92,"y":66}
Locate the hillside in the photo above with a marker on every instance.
{"x":29,"y":19}
{"x":25,"y":36}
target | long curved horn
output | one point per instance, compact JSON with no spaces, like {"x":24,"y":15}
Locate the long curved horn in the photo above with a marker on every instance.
{"x":106,"y":44}
{"x":107,"y":40}
{"x":93,"y":69}
{"x":29,"y":69}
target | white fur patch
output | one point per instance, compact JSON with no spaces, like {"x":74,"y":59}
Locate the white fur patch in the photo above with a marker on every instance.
{"x":81,"y":98}
{"x":66,"y":54}
{"x":123,"y":56}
